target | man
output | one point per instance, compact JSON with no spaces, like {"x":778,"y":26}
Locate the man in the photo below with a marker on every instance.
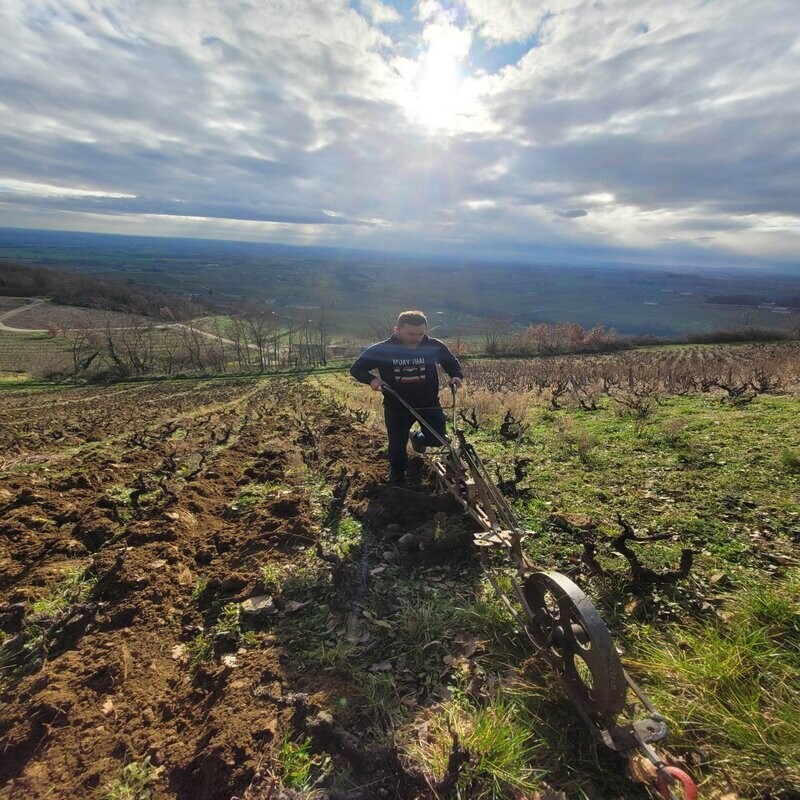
{"x":406,"y":362}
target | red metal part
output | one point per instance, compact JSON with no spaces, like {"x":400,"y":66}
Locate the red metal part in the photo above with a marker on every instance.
{"x":689,"y":787}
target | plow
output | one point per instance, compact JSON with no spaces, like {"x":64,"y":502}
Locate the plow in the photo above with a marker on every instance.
{"x":557,"y":618}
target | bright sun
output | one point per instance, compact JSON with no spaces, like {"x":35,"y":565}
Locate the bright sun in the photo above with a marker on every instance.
{"x":437,"y":91}
{"x":436,"y":79}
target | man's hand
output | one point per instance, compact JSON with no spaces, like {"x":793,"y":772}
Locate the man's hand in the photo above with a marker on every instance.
{"x":456,"y":382}
{"x":375,"y":384}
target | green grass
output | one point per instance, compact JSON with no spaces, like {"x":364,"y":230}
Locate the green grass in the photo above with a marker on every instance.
{"x":135,"y":781}
{"x":718,"y":655}
{"x":299,"y":765}
{"x":790,"y":461}
{"x":75,"y":585}
{"x":199,"y":649}
{"x":17,"y":380}
{"x":42,"y":618}
{"x":659,"y":476}
{"x":346,"y":533}
{"x":228,"y":632}
{"x":119,"y":494}
{"x":200,"y":588}
{"x":294,"y":579}
{"x":256,"y":494}
{"x":502,"y":744}
{"x":732,"y":688}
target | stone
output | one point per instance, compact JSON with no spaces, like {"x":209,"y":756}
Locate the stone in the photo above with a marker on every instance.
{"x":259,"y":605}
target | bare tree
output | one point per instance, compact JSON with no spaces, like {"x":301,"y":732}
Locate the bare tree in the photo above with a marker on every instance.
{"x":241,"y":343}
{"x":218,"y":350}
{"x":495,"y":335}
{"x":85,"y":346}
{"x":262,"y":323}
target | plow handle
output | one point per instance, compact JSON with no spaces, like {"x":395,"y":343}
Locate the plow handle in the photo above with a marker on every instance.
{"x":386,"y":388}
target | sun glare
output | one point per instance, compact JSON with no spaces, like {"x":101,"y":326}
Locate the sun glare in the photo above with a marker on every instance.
{"x":436,"y":78}
{"x":437,"y":91}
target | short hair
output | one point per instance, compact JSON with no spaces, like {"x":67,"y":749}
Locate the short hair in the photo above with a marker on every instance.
{"x":412,"y":318}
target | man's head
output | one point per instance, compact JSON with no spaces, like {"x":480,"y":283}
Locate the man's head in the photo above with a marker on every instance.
{"x":411,"y":327}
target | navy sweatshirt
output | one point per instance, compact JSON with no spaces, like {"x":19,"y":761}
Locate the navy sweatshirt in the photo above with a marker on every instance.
{"x":410,"y":371}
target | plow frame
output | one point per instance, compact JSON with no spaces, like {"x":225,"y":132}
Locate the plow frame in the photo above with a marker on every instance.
{"x":565,"y":631}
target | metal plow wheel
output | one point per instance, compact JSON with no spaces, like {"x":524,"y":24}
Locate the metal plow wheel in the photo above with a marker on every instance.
{"x":558,"y":617}
{"x":563,"y":620}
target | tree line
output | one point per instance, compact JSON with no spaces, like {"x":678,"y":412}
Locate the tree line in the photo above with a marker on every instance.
{"x":253,"y":338}
{"x":73,"y":289}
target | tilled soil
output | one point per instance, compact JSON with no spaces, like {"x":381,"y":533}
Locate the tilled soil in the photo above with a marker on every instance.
{"x":141,"y":486}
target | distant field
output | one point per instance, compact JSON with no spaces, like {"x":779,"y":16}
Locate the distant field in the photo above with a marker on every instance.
{"x":9,"y":303}
{"x":359,"y":294}
{"x":38,"y":355}
{"x":31,"y":353}
{"x":42,"y":316}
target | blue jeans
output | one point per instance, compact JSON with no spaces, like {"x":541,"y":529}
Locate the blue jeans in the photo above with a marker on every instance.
{"x":398,"y":423}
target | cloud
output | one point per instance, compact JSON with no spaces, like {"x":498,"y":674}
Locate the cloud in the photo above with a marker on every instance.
{"x":379,"y":13}
{"x":574,"y":213}
{"x":507,"y":20}
{"x":616,"y":127}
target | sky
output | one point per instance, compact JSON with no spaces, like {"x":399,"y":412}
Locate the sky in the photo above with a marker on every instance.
{"x":633,"y":130}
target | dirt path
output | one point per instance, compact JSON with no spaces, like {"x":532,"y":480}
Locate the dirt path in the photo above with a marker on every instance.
{"x":34,"y":302}
{"x":8,"y":314}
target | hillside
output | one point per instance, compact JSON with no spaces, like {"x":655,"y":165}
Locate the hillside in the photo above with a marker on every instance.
{"x":359,"y":291}
{"x":70,"y":288}
{"x":196,"y":572}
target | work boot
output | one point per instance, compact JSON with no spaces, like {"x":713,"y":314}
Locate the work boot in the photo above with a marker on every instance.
{"x":418,"y":441}
{"x":397,"y":477}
